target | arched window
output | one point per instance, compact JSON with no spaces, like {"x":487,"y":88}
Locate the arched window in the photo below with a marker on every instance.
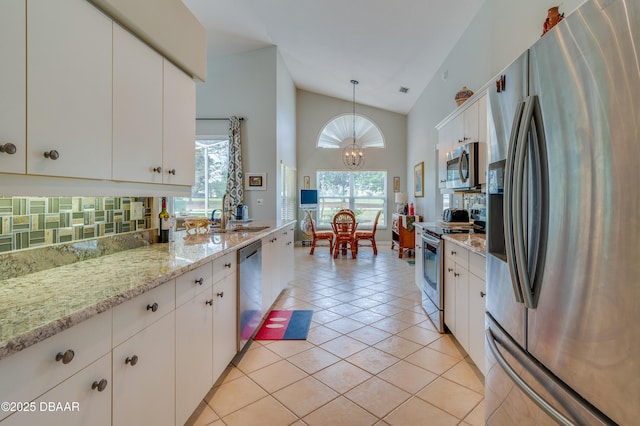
{"x":338,"y":133}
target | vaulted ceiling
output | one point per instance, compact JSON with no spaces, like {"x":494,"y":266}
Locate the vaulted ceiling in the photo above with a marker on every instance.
{"x":384,"y":44}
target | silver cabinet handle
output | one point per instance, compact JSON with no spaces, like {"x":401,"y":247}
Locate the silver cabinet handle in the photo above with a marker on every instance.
{"x":52,"y":155}
{"x":541,"y":402}
{"x":65,"y":357}
{"x":152,"y":308}
{"x":131,"y":360}
{"x":8,"y":148}
{"x":100,"y":386}
{"x":157,"y":169}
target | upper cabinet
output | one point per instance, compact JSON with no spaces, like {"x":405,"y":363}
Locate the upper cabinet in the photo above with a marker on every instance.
{"x":81,"y":97}
{"x":68,"y":89}
{"x":137,"y":109}
{"x":13,"y":86}
{"x":179,"y":127}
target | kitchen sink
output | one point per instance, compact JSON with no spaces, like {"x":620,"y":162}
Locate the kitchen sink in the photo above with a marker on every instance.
{"x":248,"y":229}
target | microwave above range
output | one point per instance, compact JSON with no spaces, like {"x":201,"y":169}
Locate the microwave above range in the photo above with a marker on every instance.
{"x":462,"y":167}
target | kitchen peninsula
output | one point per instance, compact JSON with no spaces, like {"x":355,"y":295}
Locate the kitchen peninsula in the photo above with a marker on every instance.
{"x":88,"y":318}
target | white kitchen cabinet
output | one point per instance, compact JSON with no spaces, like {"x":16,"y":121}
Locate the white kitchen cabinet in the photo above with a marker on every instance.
{"x":225,"y":323}
{"x":444,"y":146}
{"x":84,"y":398}
{"x":477,"y":293}
{"x":69,"y":89}
{"x":192,"y":283}
{"x":194,"y":350}
{"x":179,"y":127}
{"x":144,"y":376}
{"x":270,"y":273}
{"x":483,"y":137}
{"x":285,"y":245}
{"x":31,"y":372}
{"x":137,"y":109}
{"x":13,"y":86}
{"x":450,"y":295}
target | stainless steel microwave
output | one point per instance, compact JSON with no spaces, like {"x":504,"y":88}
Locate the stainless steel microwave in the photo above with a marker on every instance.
{"x":462,"y":168}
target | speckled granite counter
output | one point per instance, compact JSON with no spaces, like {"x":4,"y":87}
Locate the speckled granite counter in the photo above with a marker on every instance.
{"x":477,"y":243}
{"x":40,"y":304}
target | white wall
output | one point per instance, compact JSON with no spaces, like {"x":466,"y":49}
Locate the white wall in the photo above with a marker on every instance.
{"x":314,"y":111}
{"x":500,"y":32}
{"x":246,"y":85}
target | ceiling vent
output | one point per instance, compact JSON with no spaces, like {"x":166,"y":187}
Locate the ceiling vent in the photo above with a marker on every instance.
{"x":404,"y":89}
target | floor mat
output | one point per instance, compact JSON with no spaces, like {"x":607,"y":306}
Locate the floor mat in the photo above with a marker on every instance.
{"x":285,"y":325}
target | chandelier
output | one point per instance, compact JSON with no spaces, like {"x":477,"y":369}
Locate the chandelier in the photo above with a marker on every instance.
{"x":353,"y":154}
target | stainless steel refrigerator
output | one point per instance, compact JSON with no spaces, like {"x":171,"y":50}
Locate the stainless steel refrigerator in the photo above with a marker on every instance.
{"x":563,"y":264}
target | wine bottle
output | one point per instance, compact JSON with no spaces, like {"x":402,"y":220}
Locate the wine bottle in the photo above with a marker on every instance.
{"x":164,"y":223}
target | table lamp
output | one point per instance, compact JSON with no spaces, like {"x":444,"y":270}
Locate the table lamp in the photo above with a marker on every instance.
{"x":401,"y":201}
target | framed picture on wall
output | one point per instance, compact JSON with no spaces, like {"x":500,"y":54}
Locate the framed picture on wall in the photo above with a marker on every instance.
{"x":255,"y":182}
{"x":418,"y":180}
{"x":396,"y":184}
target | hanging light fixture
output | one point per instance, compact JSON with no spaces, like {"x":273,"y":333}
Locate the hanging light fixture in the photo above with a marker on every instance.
{"x":353,"y":154}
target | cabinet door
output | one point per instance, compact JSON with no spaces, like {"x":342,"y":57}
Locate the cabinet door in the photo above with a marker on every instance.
{"x":69,"y":83}
{"x":144,"y":391}
{"x":137,"y":109}
{"x":477,"y":298}
{"x":444,"y":146}
{"x":450,"y":294}
{"x":13,"y":86}
{"x":286,"y":261}
{"x":81,"y":403}
{"x":462,"y":305}
{"x":225,"y":323}
{"x":269,"y":271}
{"x":179,"y":127}
{"x":457,"y":130}
{"x":194,"y":349}
{"x":418,"y":266}
{"x":470,"y":115}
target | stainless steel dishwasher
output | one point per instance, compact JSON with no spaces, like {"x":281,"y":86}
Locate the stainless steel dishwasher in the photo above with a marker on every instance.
{"x":250,"y":292}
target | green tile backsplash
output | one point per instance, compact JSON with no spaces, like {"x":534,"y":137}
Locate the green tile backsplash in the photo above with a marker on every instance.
{"x":40,"y":221}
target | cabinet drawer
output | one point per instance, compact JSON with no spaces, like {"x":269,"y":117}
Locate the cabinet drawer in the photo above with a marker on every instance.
{"x":459,"y":254}
{"x":31,"y":372}
{"x":138,"y":313}
{"x":224,"y":265}
{"x":193,"y":282}
{"x":477,"y":265}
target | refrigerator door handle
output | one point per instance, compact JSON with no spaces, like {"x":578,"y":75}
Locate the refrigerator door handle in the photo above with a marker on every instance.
{"x":507,"y":206}
{"x":524,"y":387}
{"x":531,"y":116}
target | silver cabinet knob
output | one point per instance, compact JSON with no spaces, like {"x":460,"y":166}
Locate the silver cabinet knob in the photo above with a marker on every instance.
{"x":65,"y":357}
{"x":100,"y":386}
{"x":52,"y":155}
{"x":157,"y":169}
{"x":131,"y":360}
{"x":152,"y":308}
{"x":171,"y":172}
{"x":8,"y":148}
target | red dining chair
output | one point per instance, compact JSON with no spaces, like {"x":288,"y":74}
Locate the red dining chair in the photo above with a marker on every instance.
{"x":319,"y":235}
{"x":369,"y":235}
{"x":344,"y":226}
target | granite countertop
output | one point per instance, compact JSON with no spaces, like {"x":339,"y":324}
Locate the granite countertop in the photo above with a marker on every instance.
{"x":38,"y":305}
{"x":477,"y":243}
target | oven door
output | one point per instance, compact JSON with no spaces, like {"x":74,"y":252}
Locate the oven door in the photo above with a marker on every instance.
{"x":432,"y":293}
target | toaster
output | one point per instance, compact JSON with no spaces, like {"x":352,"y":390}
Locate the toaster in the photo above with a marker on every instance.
{"x":455,"y":215}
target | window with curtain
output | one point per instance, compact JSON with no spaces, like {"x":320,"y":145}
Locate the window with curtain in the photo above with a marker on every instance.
{"x":364,"y":192}
{"x":212,"y":159}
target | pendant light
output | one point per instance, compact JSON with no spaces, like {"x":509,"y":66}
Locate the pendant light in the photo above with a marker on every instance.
{"x":353,"y":154}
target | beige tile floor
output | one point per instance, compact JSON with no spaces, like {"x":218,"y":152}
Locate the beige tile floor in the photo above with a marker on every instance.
{"x":372,"y":357}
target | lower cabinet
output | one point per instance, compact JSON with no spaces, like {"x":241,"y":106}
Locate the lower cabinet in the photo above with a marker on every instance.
{"x":82,"y":399}
{"x":194,"y":350}
{"x":464,"y":301}
{"x":225,"y":331}
{"x":144,"y":376}
{"x":277,"y":265}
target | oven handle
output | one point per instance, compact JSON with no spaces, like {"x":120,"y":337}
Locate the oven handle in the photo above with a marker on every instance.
{"x":431,"y":240}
